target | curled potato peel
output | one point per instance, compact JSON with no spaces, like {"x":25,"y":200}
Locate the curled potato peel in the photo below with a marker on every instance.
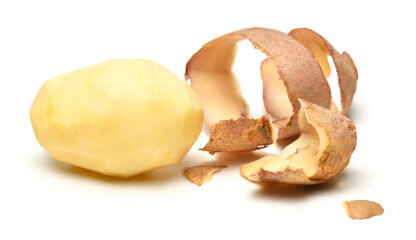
{"x":297,"y":74}
{"x":346,"y":69}
{"x":322,"y":150}
{"x":296,"y":67}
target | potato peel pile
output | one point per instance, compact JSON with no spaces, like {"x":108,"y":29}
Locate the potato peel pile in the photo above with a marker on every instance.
{"x":296,"y":94}
{"x":362,"y":209}
{"x":322,"y":150}
{"x":243,"y":134}
{"x":201,"y":174}
{"x":295,"y":68}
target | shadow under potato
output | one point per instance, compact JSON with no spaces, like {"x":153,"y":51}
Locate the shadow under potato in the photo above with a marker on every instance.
{"x":174,"y":172}
{"x":155,"y":176}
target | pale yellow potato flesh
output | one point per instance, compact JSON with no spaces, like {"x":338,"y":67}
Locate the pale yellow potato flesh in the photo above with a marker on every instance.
{"x":119,"y":117}
{"x":322,"y":150}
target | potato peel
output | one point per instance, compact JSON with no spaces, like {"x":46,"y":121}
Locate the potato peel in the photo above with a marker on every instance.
{"x":321,"y":152}
{"x":210,"y":72}
{"x":362,"y":209}
{"x":346,"y":69}
{"x":243,"y":134}
{"x":201,"y":174}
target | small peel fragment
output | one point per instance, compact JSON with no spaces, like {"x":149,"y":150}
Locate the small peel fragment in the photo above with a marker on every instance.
{"x":346,"y":69}
{"x":362,"y":209}
{"x":243,"y":134}
{"x":201,"y":174}
{"x":321,"y":152}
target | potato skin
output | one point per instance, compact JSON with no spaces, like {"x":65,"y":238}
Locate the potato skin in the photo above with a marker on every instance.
{"x":341,"y":138}
{"x":346,"y":69}
{"x":119,"y":117}
{"x":243,"y":134}
{"x":362,"y":209}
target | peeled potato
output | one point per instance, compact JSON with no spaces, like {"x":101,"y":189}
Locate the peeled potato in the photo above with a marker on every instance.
{"x":119,"y":117}
{"x":322,"y":150}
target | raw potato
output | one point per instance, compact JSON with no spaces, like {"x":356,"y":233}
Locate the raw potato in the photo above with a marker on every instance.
{"x":362,"y":209}
{"x":321,"y":48}
{"x":292,"y":72}
{"x":243,"y":134}
{"x":322,"y":150}
{"x":119,"y":117}
{"x":201,"y":174}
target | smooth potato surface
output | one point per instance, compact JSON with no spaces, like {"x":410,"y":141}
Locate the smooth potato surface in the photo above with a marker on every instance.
{"x":119,"y":117}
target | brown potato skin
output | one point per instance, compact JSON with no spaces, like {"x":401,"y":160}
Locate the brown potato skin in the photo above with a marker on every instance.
{"x":243,"y":134}
{"x":298,"y":69}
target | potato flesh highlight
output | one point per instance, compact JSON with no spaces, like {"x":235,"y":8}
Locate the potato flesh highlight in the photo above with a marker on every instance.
{"x":301,"y":154}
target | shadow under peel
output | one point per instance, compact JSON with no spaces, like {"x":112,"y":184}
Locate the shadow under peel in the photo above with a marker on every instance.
{"x":298,"y":192}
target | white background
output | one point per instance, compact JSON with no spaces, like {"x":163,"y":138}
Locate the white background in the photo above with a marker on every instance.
{"x":45,"y":199}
